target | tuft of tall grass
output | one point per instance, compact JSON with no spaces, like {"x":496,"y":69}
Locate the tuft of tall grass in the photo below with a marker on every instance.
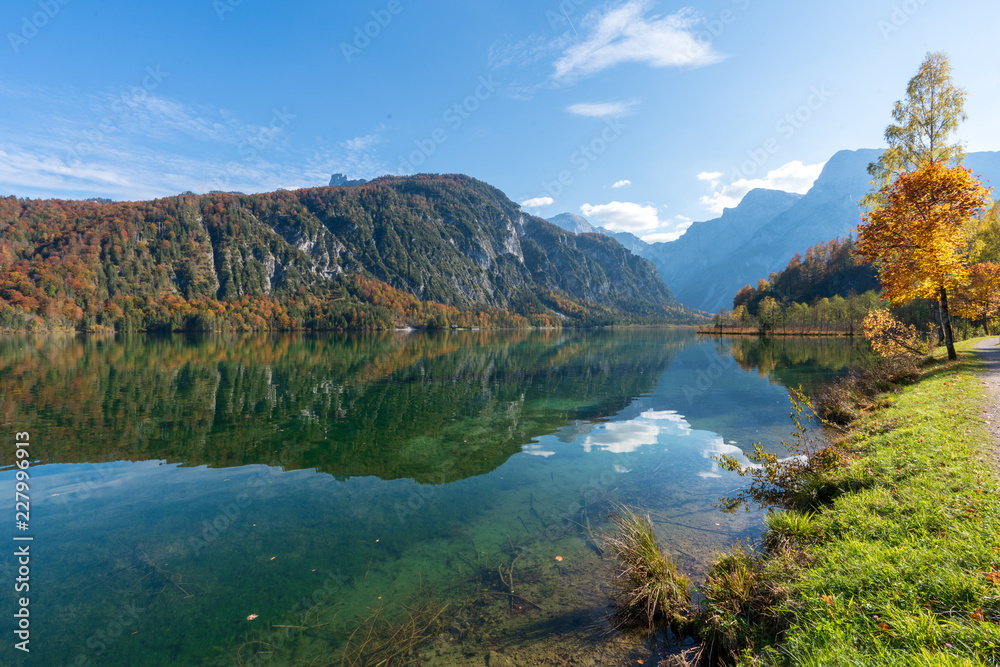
{"x":741,"y":609}
{"x":649,"y":589}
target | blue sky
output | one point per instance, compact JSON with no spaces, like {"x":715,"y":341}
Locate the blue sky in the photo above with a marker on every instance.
{"x":642,"y":115}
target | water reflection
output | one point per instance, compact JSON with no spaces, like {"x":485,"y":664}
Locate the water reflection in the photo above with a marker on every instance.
{"x":206,"y":480}
{"x":395,"y":406}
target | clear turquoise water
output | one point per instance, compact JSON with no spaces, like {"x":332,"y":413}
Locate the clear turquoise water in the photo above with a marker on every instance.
{"x":181,"y":485}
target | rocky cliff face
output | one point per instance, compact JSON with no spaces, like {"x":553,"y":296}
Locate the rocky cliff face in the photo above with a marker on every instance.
{"x":449,"y":239}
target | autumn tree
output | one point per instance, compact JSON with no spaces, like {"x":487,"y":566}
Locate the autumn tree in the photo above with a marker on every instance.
{"x":979,"y":301}
{"x":917,"y":236}
{"x":984,"y":237}
{"x":923,"y":126}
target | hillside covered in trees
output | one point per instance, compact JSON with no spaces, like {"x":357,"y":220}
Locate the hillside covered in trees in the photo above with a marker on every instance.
{"x":829,"y":290}
{"x":416,"y":251}
{"x":832,"y":288}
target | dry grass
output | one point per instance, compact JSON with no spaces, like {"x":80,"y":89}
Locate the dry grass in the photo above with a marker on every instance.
{"x":845,"y":400}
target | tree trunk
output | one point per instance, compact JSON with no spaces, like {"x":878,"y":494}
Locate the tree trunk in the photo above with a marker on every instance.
{"x":940,"y":321}
{"x":949,"y":339}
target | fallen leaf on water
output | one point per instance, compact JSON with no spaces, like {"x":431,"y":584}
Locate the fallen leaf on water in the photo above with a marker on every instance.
{"x":252,"y":616}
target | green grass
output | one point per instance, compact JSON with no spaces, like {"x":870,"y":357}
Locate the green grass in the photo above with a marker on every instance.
{"x":899,"y":570}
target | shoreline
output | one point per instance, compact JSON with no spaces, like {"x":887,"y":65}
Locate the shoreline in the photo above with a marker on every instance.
{"x":895,"y":561}
{"x":757,"y":334}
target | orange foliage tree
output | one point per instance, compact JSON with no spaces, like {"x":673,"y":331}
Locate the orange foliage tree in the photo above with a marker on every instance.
{"x":916,"y":238}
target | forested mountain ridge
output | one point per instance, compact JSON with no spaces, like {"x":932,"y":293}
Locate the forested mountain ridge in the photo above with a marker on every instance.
{"x":366,"y":256}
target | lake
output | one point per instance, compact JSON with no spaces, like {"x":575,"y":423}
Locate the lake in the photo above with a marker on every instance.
{"x":324,"y":499}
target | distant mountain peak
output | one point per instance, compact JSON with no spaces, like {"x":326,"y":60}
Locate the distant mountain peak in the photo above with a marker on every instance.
{"x":340,"y":180}
{"x":572,"y":222}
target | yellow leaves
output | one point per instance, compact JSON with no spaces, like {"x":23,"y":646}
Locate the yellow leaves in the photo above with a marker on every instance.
{"x":977,"y":615}
{"x":828,"y":599}
{"x":888,"y":336}
{"x":917,"y":236}
{"x":980,"y":299}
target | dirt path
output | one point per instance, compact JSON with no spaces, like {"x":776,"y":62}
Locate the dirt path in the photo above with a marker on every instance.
{"x":990,"y":353}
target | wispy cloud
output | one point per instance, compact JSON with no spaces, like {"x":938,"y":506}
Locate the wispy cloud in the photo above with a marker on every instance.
{"x":622,"y":184}
{"x":603,"y":109}
{"x":363,"y":144}
{"x":626,"y":34}
{"x":793,"y":177}
{"x":128,"y":146}
{"x":508,"y":52}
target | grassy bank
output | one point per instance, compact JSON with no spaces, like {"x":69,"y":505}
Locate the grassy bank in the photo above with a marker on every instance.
{"x":900,"y":563}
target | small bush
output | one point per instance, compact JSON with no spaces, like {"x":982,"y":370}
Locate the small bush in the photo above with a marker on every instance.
{"x":844,"y":400}
{"x":789,"y":482}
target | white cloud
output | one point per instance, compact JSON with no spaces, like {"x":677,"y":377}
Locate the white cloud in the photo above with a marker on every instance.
{"x":622,"y":437}
{"x":675,"y":228}
{"x":623,"y":216}
{"x":538,"y":202}
{"x":643,"y":221}
{"x":625,"y":34}
{"x":603,"y":109}
{"x":791,"y":177}
{"x":622,"y":184}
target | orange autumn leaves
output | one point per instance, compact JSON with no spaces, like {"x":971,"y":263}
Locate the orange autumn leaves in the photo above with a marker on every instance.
{"x":918,"y":235}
